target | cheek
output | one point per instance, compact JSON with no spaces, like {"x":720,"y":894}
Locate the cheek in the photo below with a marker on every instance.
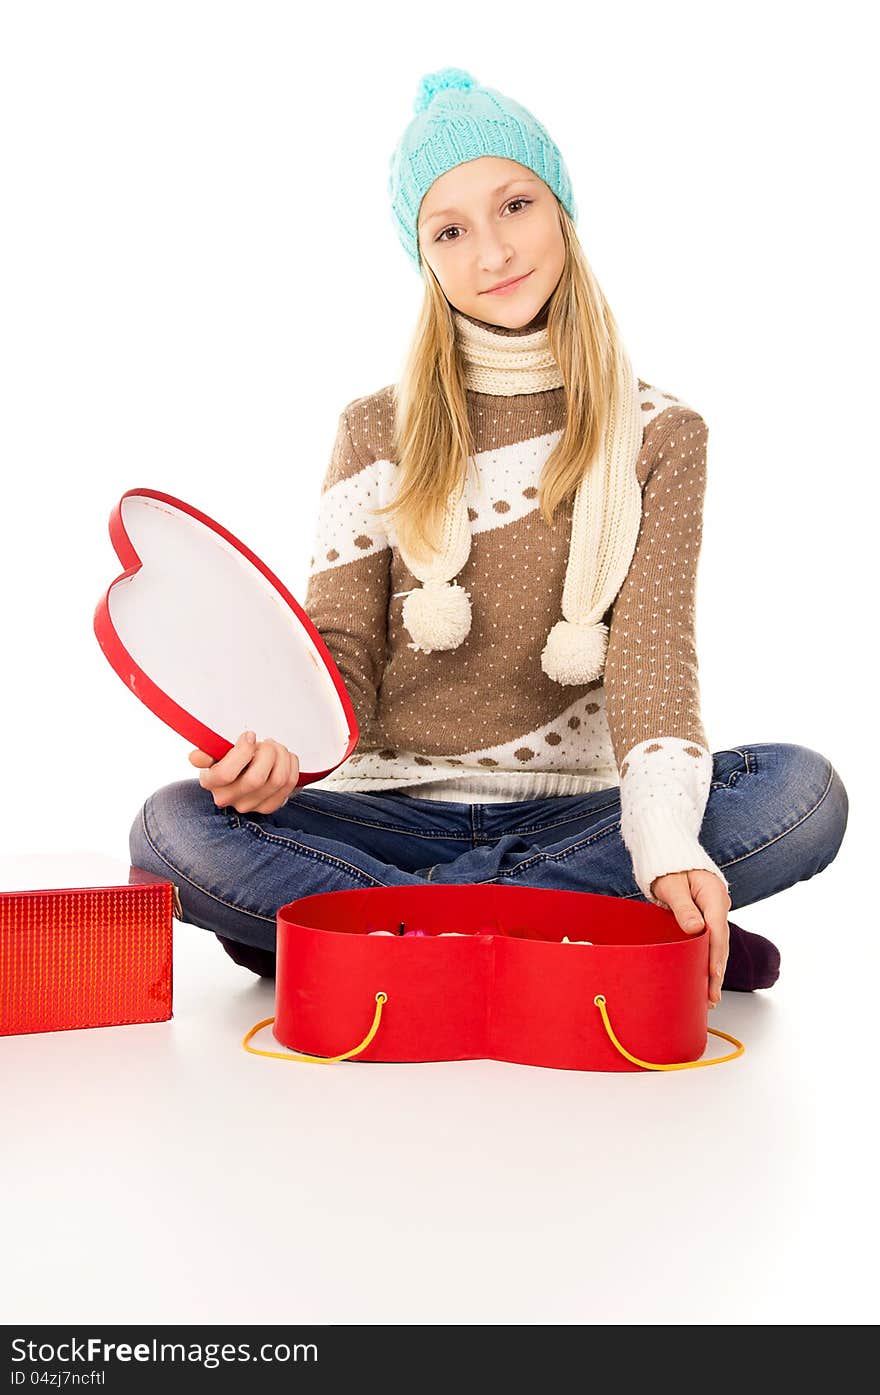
{"x":552,"y":251}
{"x":542,"y":239}
{"x":434,"y":264}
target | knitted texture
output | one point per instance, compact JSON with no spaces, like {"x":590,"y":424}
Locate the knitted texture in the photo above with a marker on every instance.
{"x":605,"y":526}
{"x":457,"y":120}
{"x":494,"y":364}
{"x":483,"y":721}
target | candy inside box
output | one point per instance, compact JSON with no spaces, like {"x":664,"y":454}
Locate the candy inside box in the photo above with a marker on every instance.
{"x":484,"y":971}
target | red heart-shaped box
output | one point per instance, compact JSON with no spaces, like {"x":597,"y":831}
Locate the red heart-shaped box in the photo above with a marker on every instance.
{"x":209,"y":639}
{"x":508,"y":989}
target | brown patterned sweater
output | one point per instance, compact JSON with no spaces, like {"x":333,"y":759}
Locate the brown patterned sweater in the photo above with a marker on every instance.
{"x":484,"y":722}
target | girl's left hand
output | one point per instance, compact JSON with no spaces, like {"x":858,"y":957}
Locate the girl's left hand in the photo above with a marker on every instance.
{"x":696,"y":897}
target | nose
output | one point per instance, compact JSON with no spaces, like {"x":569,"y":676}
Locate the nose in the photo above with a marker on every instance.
{"x":495,"y":253}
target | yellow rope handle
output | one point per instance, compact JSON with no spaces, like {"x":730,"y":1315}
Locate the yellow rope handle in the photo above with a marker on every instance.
{"x":381,"y":999}
{"x":599,"y":1000}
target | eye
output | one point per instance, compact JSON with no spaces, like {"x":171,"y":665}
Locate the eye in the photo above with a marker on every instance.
{"x":441,"y":237}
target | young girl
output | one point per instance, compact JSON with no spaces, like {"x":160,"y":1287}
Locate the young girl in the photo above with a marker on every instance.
{"x":504,"y":572}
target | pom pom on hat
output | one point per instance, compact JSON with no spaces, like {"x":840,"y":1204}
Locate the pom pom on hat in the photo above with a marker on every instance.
{"x":432,"y":83}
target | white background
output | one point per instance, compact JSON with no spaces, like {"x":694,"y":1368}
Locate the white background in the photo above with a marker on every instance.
{"x":199,"y":270}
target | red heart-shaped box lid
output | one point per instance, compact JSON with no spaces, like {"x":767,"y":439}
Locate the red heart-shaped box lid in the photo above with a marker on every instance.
{"x":212,"y":642}
{"x":489,"y":976}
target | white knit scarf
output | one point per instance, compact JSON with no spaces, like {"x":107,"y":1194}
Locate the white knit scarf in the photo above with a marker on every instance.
{"x":605,"y":518}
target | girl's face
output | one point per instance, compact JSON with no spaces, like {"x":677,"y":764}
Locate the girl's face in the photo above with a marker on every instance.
{"x":486,"y":221}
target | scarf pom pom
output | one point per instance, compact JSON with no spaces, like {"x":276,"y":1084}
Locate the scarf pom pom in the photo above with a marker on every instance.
{"x":574,"y":653}
{"x":437,"y":615}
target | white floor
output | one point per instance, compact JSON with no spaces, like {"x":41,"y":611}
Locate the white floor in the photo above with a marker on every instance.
{"x":161,"y":1174}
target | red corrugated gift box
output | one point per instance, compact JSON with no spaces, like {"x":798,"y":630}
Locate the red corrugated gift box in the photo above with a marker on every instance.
{"x":85,"y":941}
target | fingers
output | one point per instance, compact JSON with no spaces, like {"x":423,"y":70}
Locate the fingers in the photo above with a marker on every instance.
{"x":249,"y":788}
{"x":712,"y":896}
{"x":265,"y":784}
{"x":697,"y":898}
{"x":269,"y":782}
{"x":223,"y":772}
{"x":285,"y":789}
{"x":253,"y":776}
{"x":677,"y":895}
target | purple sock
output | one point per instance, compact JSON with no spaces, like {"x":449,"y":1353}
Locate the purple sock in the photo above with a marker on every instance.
{"x":752,"y":961}
{"x":261,"y":961}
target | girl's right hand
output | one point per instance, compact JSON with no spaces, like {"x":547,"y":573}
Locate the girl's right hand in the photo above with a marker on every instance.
{"x":255,"y":777}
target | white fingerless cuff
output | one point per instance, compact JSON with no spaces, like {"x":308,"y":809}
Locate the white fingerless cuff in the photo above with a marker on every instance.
{"x":664,"y":788}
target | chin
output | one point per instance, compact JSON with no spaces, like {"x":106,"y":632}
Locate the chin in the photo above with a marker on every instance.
{"x":502,"y":310}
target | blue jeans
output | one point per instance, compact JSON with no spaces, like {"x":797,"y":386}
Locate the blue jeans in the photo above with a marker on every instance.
{"x":775,"y":815}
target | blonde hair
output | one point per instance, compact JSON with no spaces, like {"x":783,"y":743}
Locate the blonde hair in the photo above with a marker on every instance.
{"x":432,"y":436}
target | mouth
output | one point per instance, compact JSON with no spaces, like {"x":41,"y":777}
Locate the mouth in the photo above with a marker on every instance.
{"x":507,"y":285}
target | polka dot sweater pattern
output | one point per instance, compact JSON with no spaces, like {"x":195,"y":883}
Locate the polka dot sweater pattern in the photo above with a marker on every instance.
{"x":483,"y":722}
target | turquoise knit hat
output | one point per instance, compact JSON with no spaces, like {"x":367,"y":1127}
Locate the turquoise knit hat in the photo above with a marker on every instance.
{"x":458,"y":120}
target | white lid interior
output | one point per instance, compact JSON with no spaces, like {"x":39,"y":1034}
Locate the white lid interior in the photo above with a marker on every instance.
{"x":209,"y":629}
